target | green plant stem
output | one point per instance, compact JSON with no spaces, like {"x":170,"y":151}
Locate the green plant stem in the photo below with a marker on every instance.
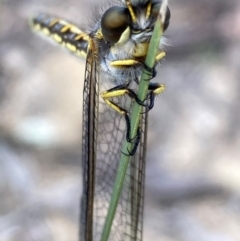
{"x":135,"y":118}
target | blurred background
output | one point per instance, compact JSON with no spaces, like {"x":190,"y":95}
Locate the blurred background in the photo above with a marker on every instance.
{"x":193,"y":159}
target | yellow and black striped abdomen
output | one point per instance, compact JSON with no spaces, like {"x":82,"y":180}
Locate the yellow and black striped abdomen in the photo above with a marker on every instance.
{"x":62,"y":32}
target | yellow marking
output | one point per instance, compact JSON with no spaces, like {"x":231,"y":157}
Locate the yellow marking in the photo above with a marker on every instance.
{"x":99,"y":34}
{"x":115,"y":107}
{"x":141,"y":50}
{"x":117,"y":93}
{"x":149,"y":9}
{"x":37,"y":27}
{"x":160,"y":56}
{"x":124,"y":36}
{"x":75,"y":29}
{"x":81,"y":53}
{"x":63,"y":22}
{"x":114,"y":93}
{"x":46,"y":31}
{"x":124,"y":62}
{"x":90,"y":44}
{"x":71,"y":47}
{"x":83,"y":36}
{"x":57,"y":38}
{"x":72,"y":28}
{"x":160,"y":89}
{"x":65,"y":28}
{"x":54,"y":21}
{"x":79,"y":36}
{"x":129,"y":6}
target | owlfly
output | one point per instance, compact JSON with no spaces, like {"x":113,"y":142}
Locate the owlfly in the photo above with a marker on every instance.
{"x":115,"y":49}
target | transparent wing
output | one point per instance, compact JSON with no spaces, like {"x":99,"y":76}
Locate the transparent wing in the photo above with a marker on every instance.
{"x":89,"y":145}
{"x":127,"y":224}
{"x":104,"y":131}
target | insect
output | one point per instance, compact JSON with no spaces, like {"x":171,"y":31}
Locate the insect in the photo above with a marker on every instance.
{"x":115,"y":49}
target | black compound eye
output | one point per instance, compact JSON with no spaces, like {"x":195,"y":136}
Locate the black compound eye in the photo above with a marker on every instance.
{"x":114,"y":22}
{"x":167,"y":19}
{"x":155,"y":12}
{"x":155,"y":8}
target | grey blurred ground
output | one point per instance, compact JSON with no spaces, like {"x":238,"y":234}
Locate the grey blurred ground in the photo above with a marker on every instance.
{"x":193,"y":161}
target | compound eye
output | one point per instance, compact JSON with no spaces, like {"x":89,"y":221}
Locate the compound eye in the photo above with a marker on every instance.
{"x":155,"y":13}
{"x":155,"y":8}
{"x":167,"y":19}
{"x":114,"y":22}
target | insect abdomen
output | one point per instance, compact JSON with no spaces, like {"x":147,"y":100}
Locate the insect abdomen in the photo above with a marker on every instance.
{"x":62,"y":32}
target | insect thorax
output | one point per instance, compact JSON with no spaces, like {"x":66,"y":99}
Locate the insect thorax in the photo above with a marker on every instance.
{"x":120,"y":36}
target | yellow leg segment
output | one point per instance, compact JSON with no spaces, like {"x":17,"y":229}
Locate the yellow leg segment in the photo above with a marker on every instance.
{"x":160,"y":56}
{"x":114,"y":93}
{"x":131,"y":62}
{"x":124,"y":62}
{"x":159,"y":89}
{"x":115,"y":107}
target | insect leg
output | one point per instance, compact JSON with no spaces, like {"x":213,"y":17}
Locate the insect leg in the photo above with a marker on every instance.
{"x":121,"y":90}
{"x":118,"y":91}
{"x":136,"y":143}
{"x":154,"y":89}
